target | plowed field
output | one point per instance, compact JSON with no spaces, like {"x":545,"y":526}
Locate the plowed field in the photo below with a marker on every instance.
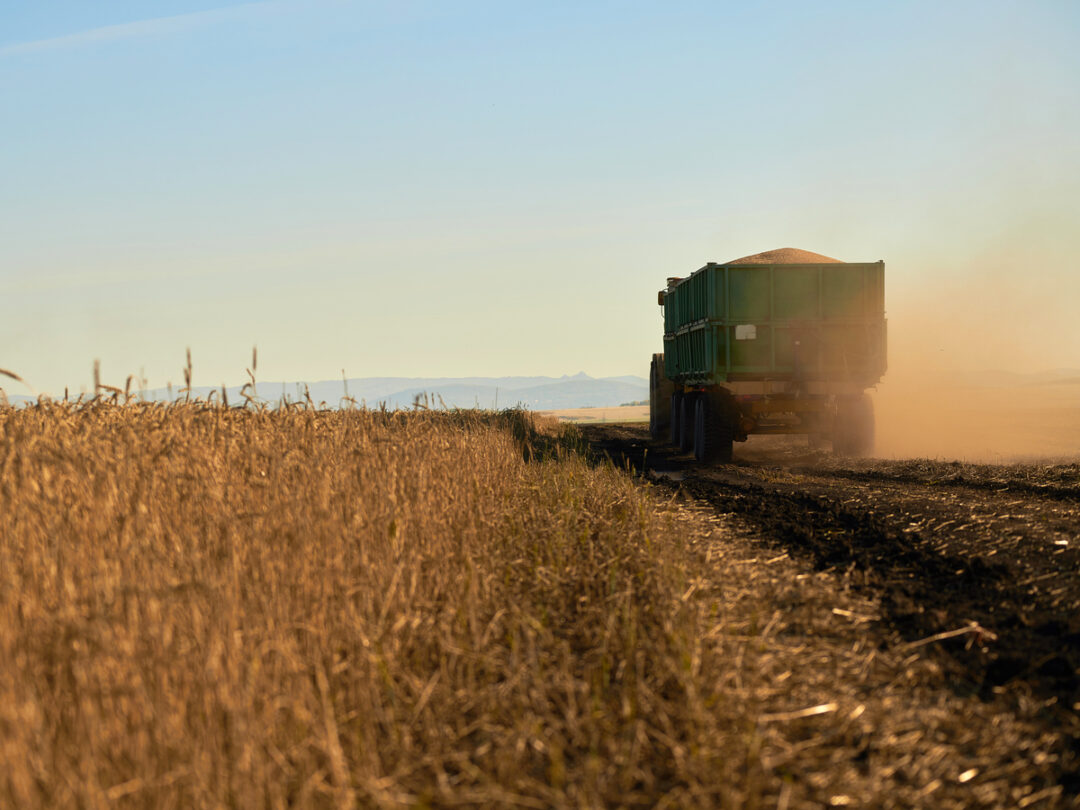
{"x":978,"y":563}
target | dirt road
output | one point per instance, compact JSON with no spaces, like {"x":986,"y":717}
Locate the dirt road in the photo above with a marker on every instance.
{"x":992,"y":551}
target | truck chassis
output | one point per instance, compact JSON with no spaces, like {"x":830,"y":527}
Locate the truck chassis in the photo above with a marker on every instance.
{"x":708,"y":418}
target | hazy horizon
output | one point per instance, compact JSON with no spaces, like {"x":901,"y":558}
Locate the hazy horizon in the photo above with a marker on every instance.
{"x":485,"y":189}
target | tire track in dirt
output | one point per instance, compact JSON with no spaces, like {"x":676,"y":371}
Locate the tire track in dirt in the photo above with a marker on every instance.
{"x":939,"y":478}
{"x":937,"y":559}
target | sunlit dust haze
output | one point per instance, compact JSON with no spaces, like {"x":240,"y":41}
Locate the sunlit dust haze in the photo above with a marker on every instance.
{"x":986,"y":370}
{"x":938,"y":418}
{"x":926,"y":408}
{"x":482,"y":188}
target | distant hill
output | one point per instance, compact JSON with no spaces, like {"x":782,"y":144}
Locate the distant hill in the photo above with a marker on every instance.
{"x":534,"y":393}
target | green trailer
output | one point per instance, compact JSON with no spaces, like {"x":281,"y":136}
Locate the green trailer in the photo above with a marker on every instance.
{"x":783,"y":342}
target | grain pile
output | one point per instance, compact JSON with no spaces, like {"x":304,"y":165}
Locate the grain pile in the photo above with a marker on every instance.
{"x":220,"y":607}
{"x":785,"y":256}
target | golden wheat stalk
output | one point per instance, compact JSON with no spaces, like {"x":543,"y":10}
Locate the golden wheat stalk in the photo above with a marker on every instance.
{"x":13,"y":376}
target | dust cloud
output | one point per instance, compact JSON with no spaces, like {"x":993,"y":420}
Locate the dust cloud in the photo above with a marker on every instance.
{"x":983,"y":356}
{"x":939,"y":419}
{"x":925,"y":409}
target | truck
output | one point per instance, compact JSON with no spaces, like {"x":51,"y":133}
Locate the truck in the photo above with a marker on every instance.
{"x":781,"y":342}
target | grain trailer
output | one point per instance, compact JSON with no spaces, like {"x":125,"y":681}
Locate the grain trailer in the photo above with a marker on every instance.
{"x":782,"y":342}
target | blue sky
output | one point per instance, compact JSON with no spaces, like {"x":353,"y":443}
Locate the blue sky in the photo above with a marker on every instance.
{"x":421,"y":188}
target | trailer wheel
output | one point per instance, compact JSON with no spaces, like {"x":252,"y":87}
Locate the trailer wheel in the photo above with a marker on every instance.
{"x":686,"y":422}
{"x":673,"y":421}
{"x":853,"y":428}
{"x":714,"y":432}
{"x":660,"y":391}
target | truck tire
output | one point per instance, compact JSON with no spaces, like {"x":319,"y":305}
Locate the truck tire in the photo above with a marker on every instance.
{"x":686,"y":422}
{"x":673,"y":421}
{"x":853,"y":427}
{"x":714,"y":433}
{"x":660,"y":391}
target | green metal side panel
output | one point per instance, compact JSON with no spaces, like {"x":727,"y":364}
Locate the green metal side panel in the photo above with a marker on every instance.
{"x":795,"y":293}
{"x":810,"y":321}
{"x":748,"y":289}
{"x":671,"y":364}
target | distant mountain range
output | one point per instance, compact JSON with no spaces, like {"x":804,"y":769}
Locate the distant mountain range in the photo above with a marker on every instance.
{"x":533,"y":393}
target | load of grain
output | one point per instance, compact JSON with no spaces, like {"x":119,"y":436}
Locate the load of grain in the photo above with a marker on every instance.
{"x":786,"y":256}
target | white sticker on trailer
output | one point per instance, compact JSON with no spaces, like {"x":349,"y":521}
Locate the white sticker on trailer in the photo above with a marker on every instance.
{"x":746,"y":331}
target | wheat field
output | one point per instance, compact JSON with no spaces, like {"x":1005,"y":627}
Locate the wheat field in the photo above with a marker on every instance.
{"x":207,"y":606}
{"x":227,"y":607}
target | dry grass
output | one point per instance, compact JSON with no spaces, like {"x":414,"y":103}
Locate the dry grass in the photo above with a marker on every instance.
{"x":211,"y":607}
